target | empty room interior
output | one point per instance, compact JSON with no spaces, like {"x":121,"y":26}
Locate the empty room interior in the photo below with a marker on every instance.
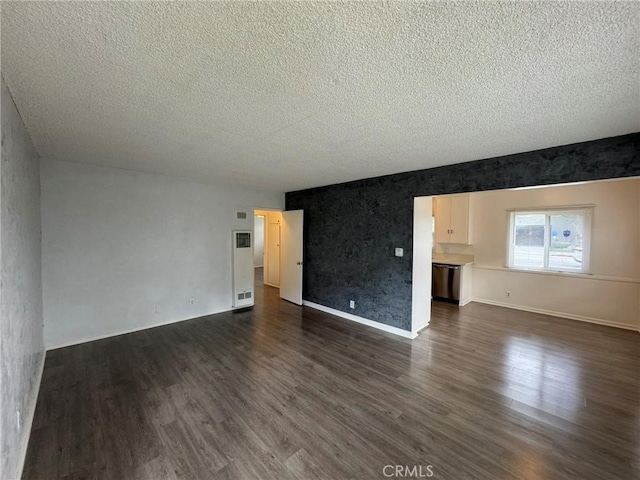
{"x":320,"y":240}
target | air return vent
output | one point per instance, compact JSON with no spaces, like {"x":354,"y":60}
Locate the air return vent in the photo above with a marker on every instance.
{"x":241,"y":215}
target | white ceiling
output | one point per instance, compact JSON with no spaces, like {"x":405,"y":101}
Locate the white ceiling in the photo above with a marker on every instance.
{"x":284,"y":96}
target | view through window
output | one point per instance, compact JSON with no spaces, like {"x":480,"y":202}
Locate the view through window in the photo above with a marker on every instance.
{"x":555,"y":240}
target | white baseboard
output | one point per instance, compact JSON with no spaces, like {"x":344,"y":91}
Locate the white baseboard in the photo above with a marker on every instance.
{"x":363,"y":321}
{"x":465,"y":302}
{"x":131,"y":330}
{"x":31,"y":412}
{"x":420,"y":329}
{"x":570,"y":316}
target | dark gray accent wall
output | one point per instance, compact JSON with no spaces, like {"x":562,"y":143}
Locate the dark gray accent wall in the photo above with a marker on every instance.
{"x":351,"y":229}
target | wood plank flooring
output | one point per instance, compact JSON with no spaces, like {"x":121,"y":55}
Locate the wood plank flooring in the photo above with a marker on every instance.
{"x":287,"y":392}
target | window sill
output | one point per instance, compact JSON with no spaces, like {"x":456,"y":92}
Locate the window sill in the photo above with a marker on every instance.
{"x":582,"y":276}
{"x":549,"y":271}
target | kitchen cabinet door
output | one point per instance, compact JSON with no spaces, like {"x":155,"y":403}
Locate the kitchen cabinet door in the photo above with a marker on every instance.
{"x":453,"y":214}
{"x":459,"y":231}
{"x":443,"y":219}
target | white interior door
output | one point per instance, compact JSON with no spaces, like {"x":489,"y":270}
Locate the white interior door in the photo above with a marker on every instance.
{"x":291,"y":256}
{"x":258,"y":241}
{"x":272,"y":274}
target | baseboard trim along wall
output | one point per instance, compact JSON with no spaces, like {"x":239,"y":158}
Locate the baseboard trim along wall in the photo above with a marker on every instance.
{"x":29,"y":419}
{"x":363,"y":321}
{"x":130,"y":330}
{"x":421,"y":329}
{"x":569,"y":316}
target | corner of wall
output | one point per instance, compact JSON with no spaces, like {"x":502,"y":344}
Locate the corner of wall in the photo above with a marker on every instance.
{"x":21,"y":325}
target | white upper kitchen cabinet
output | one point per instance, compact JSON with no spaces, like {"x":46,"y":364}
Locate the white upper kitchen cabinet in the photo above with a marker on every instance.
{"x":453,"y":215}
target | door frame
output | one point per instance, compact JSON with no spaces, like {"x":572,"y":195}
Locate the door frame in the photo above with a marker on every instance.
{"x":261,"y":211}
{"x":422,"y":262}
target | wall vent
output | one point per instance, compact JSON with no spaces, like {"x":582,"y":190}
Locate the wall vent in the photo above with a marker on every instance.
{"x":243,"y":270}
{"x":241,"y":215}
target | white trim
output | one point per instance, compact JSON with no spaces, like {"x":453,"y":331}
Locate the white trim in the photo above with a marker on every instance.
{"x":420,"y":329}
{"x":569,"y":316}
{"x":421,"y":278}
{"x":364,"y":321}
{"x":132,"y":330}
{"x":465,"y":302}
{"x":583,"y":276}
{"x":569,"y":184}
{"x":31,"y":411}
{"x":541,"y":210}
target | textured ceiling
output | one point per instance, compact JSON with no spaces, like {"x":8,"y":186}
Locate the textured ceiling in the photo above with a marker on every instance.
{"x":284,"y":96}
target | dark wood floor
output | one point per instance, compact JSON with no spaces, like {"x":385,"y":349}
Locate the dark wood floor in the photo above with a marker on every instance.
{"x":288,"y":392}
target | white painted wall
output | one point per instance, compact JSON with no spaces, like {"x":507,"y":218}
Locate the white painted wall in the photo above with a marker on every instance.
{"x":422,"y":253}
{"x":258,"y":241}
{"x":21,"y":333}
{"x":125,"y":250}
{"x":611,"y":295}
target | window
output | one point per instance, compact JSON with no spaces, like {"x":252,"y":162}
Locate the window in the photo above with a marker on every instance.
{"x":552,"y":239}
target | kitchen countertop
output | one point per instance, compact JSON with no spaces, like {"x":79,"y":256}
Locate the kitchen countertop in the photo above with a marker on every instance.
{"x":452,"y":259}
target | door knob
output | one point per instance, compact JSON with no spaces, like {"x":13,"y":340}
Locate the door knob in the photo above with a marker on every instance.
{"x":298,"y":263}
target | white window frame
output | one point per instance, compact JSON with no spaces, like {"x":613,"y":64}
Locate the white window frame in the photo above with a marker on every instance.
{"x":585,"y":210}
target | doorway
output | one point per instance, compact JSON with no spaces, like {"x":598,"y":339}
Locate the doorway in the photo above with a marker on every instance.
{"x":267,"y":231}
{"x":565,"y":250}
{"x":282,"y":251}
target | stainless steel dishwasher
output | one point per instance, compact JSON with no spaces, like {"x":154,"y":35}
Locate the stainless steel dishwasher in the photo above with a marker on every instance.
{"x":446,"y":282}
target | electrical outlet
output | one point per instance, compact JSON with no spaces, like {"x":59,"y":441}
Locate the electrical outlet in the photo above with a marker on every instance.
{"x":352,"y":304}
{"x":192,"y":302}
{"x":157,"y":309}
{"x":18,"y":422}
{"x":507,"y":294}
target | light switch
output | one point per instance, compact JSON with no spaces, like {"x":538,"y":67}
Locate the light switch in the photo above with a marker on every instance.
{"x":399,"y":252}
